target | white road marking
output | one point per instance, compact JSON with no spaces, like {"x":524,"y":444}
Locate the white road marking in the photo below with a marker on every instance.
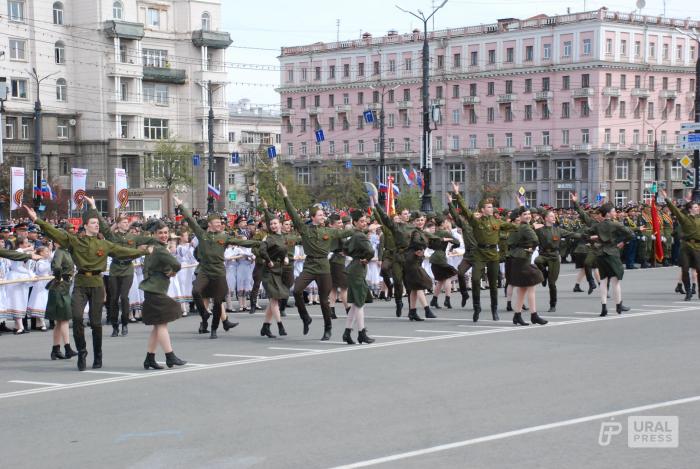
{"x":297,"y":349}
{"x":522,"y":431}
{"x":40,"y":383}
{"x":442,"y":332}
{"x":195,"y":364}
{"x":481,"y":325}
{"x":394,"y":337}
{"x":110,"y":372}
{"x":238,"y":356}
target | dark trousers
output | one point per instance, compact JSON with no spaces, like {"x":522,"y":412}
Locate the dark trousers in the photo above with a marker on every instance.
{"x":550,"y":268}
{"x":630,"y":252}
{"x":397,"y":275}
{"x":119,"y":297}
{"x":689,"y":259}
{"x":386,"y":271}
{"x":215,"y":289}
{"x":94,"y":298}
{"x":324,"y":282}
{"x":257,"y":279}
{"x":492,"y":275}
{"x":462,"y":269}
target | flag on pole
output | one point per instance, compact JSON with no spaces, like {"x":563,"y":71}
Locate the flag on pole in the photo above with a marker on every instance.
{"x":51,"y":194}
{"x":418,"y":178}
{"x":390,"y":196}
{"x":656,"y":224}
{"x":213,"y":192}
{"x":407,"y":177}
{"x":78,"y":180}
{"x":121,"y":189}
{"x":17,"y":191}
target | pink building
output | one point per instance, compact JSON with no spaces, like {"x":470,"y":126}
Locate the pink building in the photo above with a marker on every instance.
{"x":553,"y":104}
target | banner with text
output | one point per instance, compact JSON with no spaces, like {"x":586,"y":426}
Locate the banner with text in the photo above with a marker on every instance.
{"x":77,"y":183}
{"x":17,"y":189}
{"x":121,"y":189}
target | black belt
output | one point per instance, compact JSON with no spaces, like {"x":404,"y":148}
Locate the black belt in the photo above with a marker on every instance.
{"x":487,"y":246}
{"x":89,"y":273}
{"x":120,"y":262}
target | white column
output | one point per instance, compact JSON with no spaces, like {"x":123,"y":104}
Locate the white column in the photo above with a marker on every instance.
{"x":576,"y":45}
{"x":117,"y":55}
{"x":139,"y":90}
{"x":117,"y":87}
{"x":118,"y":122}
{"x":205,"y":63}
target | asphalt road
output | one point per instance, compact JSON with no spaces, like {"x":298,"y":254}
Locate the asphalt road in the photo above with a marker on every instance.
{"x":439,"y":393}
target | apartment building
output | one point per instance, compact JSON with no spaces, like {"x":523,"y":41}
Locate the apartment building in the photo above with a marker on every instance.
{"x":553,"y":104}
{"x":116,"y":77}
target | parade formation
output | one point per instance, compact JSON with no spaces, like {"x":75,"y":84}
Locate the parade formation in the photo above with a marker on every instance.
{"x":117,"y":271}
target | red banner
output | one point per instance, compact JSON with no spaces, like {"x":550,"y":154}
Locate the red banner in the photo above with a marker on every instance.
{"x":231,"y":219}
{"x":76,"y":222}
{"x":656,"y":224}
{"x":178,"y":218}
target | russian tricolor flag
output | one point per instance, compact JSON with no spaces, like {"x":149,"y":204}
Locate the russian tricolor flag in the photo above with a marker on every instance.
{"x":214,"y":192}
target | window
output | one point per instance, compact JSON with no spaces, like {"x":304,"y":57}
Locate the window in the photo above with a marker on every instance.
{"x":155,"y":93}
{"x":360,"y":97}
{"x":391,"y":145}
{"x":392,"y":65}
{"x":407,"y":144}
{"x":565,"y":82}
{"x":622,"y":170}
{"x":623,"y":81}
{"x":155,"y":129}
{"x":290,"y":149}
{"x":492,"y":56}
{"x":648,"y":171}
{"x":676,"y":170}
{"x":621,"y":198}
{"x":318,"y":149}
{"x":474,"y":58}
{"x":472,"y":116}
{"x":490,"y":114}
{"x":509,"y":86}
{"x":588,"y":48}
{"x":15,"y":10}
{"x":509,"y":140}
{"x":18,"y":49}
{"x":509,"y":55}
{"x":407,"y":64}
{"x":527,"y":171}
{"x":438,"y":92}
{"x":567,"y":49}
{"x":637,"y":48}
{"x":302,"y":124}
{"x":117,"y":10}
{"x":652,"y":49}
{"x":623,"y":109}
{"x":206,"y":21}
{"x":346,"y":70}
{"x":63,"y":165}
{"x":61,"y":90}
{"x":153,"y":17}
{"x":528,"y":85}
{"x":24,"y":129}
{"x":406,"y":94}
{"x":565,"y":137}
{"x":457,"y":60}
{"x":490,"y":141}
{"x":317,"y":73}
{"x":62,"y":128}
{"x":391,"y":120}
{"x":566,"y":170}
{"x":331,"y":123}
{"x":563,"y":199}
{"x":652,"y":83}
{"x":585,"y":80}
{"x":455,"y":172}
{"x":621,"y":137}
{"x":360,"y":146}
{"x":545,"y":111}
{"x":650,"y":137}
{"x":455,"y":116}
{"x":678,"y":111}
{"x":331,"y":147}
{"x":585,"y":109}
{"x":545,"y":137}
{"x":635,"y":137}
{"x":303,"y":151}
{"x":650,"y":110}
{"x":58,"y":13}
{"x":472,"y":141}
{"x":528,"y":140}
{"x":608,"y":79}
{"x":455,"y":91}
{"x":303,"y":176}
{"x":529,"y":53}
{"x":360,"y":122}
{"x":375,"y":68}
{"x":490,"y":88}
{"x":438,"y":143}
{"x":290,"y":75}
{"x":547,"y":52}
{"x":155,"y":58}
{"x":609,"y":46}
{"x":528,"y":112}
{"x":607,"y":136}
{"x":565,"y":110}
{"x":623,"y":47}
{"x":360,"y":69}
{"x":59,"y":52}
{"x":585,"y":136}
{"x":10,"y":128}
{"x":124,"y":129}
{"x":492,"y":172}
{"x":18,"y":88}
{"x":545,"y":84}
{"x":665,"y":52}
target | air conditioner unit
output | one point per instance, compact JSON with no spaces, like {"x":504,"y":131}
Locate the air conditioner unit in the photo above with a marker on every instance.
{"x":100,"y":185}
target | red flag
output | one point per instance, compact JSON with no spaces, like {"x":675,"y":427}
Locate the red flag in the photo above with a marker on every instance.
{"x":656,"y":224}
{"x":390,"y":196}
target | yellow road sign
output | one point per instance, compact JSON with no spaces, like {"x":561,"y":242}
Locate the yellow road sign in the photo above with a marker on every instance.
{"x":521,"y":191}
{"x":686,"y":161}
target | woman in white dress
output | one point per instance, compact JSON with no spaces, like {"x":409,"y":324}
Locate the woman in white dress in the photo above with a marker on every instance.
{"x":231,"y":267}
{"x":136,"y":295}
{"x":174,"y":287}
{"x":185,"y":276}
{"x":373,"y":275}
{"x":36,"y":307}
{"x":18,"y":293}
{"x":245,"y":262}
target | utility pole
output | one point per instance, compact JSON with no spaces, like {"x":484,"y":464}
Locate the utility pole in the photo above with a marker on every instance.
{"x":37,"y":138}
{"x":426,"y":157}
{"x":210,"y":136}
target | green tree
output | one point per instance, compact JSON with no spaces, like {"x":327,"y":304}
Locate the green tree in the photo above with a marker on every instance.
{"x":169,"y":167}
{"x":340,"y":187}
{"x":409,"y":198}
{"x":269,"y":173}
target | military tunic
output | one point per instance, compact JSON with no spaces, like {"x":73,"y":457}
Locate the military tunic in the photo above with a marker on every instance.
{"x":610,"y":233}
{"x":58,"y":304}
{"x":400,"y":233}
{"x":522,"y":243}
{"x":690,"y":241}
{"x":158,"y":268}
{"x":441,"y":269}
{"x":360,"y":249}
{"x":274,"y":249}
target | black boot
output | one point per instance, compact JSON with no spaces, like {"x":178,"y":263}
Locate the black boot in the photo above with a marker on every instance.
{"x":82,"y":359}
{"x":212,"y":334}
{"x":280,"y":329}
{"x":399,"y":307}
{"x":382,"y":295}
{"x":536,"y":319}
{"x":693,"y":291}
{"x":69,"y":352}
{"x":428,"y":313}
{"x":228,"y":324}
{"x":434,"y":302}
{"x":115,"y":330}
{"x":253,"y":305}
{"x":591,"y":287}
{"x":477,"y":311}
{"x":577,"y":288}
{"x":326,"y":333}
{"x":525,"y":308}
{"x":203,"y":328}
{"x":413,"y":316}
{"x":494,"y":312}
{"x":347,"y":310}
{"x":465,"y":297}
{"x":679,"y":288}
{"x":56,"y":353}
{"x":688,"y":295}
{"x":362,"y":337}
{"x":509,"y":306}
{"x":519,"y":321}
{"x":620,"y":308}
{"x":552,"y":308}
{"x":305,"y":295}
{"x":347,"y":338}
{"x":150,"y":362}
{"x":265,"y":331}
{"x":172,"y":360}
{"x":306,"y":319}
{"x":96,"y":350}
{"x":333,"y":315}
{"x":447,"y":304}
{"x":125,"y":330}
{"x":604,"y":311}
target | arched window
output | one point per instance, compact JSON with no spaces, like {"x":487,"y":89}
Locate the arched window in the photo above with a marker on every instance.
{"x":57,"y":13}
{"x":206,"y":21}
{"x":61,"y":89}
{"x":117,"y":10}
{"x":59,"y":50}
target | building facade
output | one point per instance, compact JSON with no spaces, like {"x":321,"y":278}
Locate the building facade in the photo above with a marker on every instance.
{"x":118,"y":77}
{"x":552,"y":104}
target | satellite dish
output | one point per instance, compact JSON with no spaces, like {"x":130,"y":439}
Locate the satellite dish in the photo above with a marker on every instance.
{"x":72,"y":122}
{"x":641,"y":4}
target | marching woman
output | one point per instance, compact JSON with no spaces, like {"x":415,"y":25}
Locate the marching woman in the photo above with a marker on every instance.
{"x":524,"y":275}
{"x":273,"y":250}
{"x":58,"y":304}
{"x":158,"y":308}
{"x":548,"y":259}
{"x":36,"y":307}
{"x":245,"y":263}
{"x":361,"y":251}
{"x":442,"y":270}
{"x":230,"y":265}
{"x":416,"y":278}
{"x":18,"y":258}
{"x":185,"y":277}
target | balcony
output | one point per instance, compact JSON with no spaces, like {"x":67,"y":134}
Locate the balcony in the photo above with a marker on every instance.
{"x":405,"y":105}
{"x":641,"y":92}
{"x":667,"y":148}
{"x":124,"y":30}
{"x":220,"y":147}
{"x":470,"y":152}
{"x":668,"y":94}
{"x":639,"y":147}
{"x":611,"y":147}
{"x":216,"y":73}
{"x":612,"y":91}
{"x":175,"y":76}
{"x":315,"y":110}
{"x":221,"y":111}
{"x":130,"y":146}
{"x":437,"y":102}
{"x":131,"y":70}
{"x":543,"y":149}
{"x":213,"y":39}
{"x":584,"y":148}
{"x":286,"y":112}
{"x":578,"y":93}
{"x":370,"y":106}
{"x":507,"y":98}
{"x":126,"y":108}
{"x":544,"y":95}
{"x":506,"y":151}
{"x":438,"y":153}
{"x":341,"y":108}
{"x":470,"y":100}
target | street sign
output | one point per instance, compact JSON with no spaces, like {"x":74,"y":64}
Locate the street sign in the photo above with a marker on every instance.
{"x":690,"y":126}
{"x":521,"y":191}
{"x":271,"y":152}
{"x":235,"y":158}
{"x":319,"y":136}
{"x":369,"y":116}
{"x":686,"y":161}
{"x":195,"y":160}
{"x":232,"y":196}
{"x":691,"y":138}
{"x":348,"y":164}
{"x":690,"y":145}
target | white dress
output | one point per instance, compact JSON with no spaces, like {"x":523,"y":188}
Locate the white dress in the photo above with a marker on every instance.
{"x":244,"y":268}
{"x":185,"y":276}
{"x":231,"y":267}
{"x":454,"y":256}
{"x":426,"y":263}
{"x":4,"y":263}
{"x":36,"y":307}
{"x":135,"y":293}
{"x":374,"y":266}
{"x":17,"y":293}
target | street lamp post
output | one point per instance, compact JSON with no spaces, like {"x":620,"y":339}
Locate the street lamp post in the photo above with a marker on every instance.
{"x":37,"y":137}
{"x":426,"y":160}
{"x":696,"y":153}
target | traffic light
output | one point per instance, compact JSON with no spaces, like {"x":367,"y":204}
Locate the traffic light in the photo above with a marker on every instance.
{"x":689,"y":180}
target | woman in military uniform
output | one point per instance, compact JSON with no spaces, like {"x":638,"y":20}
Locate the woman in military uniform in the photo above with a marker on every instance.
{"x":361,"y":251}
{"x":273,"y":251}
{"x":158,"y":308}
{"x":58,"y":308}
{"x":442,"y":270}
{"x":416,"y":278}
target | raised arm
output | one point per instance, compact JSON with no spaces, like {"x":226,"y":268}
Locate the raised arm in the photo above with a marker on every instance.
{"x":51,"y":231}
{"x":123,"y":253}
{"x":466,"y":213}
{"x":296,"y":219}
{"x":194,"y":226}
{"x":105,"y":229}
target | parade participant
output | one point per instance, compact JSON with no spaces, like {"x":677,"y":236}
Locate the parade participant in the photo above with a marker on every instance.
{"x":13,"y":307}
{"x":245,"y":264}
{"x":36,"y":306}
{"x":584,"y":254}
{"x":609,"y":237}
{"x":185,"y":277}
{"x":469,"y":248}
{"x":442,"y":270}
{"x":211,"y":278}
{"x":58,"y":304}
{"x":90,"y":256}
{"x":316,"y":240}
{"x":230,"y":265}
{"x":273,"y":251}
{"x":416,"y":279}
{"x":258,"y":235}
{"x":290,"y":240}
{"x":158,"y":308}
{"x":513,"y":217}
{"x":524,"y":275}
{"x":548,"y":260}
{"x":486,"y":231}
{"x":361,"y":251}
{"x":121,"y":273}
{"x":339,"y":278}
{"x":690,"y":239}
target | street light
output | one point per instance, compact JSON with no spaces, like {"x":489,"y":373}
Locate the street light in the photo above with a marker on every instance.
{"x":382,"y":164}
{"x":426,"y":160}
{"x":696,"y":154}
{"x":37,"y":136}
